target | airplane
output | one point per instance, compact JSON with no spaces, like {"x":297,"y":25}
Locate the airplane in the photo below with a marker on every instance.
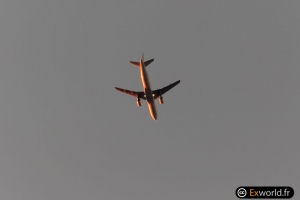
{"x":149,"y":95}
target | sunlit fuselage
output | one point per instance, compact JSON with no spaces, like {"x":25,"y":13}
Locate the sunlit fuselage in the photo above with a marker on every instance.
{"x":148,"y":90}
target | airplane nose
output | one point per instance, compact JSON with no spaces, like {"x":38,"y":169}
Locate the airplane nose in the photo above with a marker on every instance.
{"x":154,"y":116}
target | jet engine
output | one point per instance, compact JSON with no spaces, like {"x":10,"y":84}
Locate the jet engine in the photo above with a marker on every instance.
{"x":161,"y":100}
{"x":138,"y":102}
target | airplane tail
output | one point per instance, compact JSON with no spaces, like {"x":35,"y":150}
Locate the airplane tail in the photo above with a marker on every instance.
{"x":146,"y":63}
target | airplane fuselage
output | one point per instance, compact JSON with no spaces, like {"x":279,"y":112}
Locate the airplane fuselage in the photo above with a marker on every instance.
{"x":148,"y":90}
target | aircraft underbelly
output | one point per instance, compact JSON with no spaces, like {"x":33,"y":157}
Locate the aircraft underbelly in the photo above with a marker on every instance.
{"x":145,"y":79}
{"x":148,"y":92}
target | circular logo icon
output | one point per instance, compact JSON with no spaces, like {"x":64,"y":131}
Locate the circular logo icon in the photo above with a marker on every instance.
{"x":241,"y":193}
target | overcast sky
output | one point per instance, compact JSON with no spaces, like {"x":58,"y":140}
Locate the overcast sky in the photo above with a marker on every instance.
{"x":67,"y":134}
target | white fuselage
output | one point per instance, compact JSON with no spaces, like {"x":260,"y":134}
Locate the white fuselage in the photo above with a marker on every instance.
{"x":148,"y":90}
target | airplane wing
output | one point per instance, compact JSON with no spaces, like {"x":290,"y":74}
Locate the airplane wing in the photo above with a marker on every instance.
{"x":159,"y":92}
{"x":132,"y":93}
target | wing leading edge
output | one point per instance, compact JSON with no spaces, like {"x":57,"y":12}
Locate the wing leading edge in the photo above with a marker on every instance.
{"x":137,"y":95}
{"x":156,"y":93}
{"x":162,"y":91}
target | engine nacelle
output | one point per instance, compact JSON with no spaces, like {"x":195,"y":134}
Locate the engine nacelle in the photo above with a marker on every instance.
{"x":138,"y":102}
{"x":161,"y":100}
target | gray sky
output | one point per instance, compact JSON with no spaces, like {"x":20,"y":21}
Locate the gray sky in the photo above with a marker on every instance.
{"x":65,"y":133}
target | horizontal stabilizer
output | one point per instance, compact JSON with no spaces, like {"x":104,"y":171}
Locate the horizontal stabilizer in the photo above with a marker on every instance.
{"x":146,"y":63}
{"x":135,"y":63}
